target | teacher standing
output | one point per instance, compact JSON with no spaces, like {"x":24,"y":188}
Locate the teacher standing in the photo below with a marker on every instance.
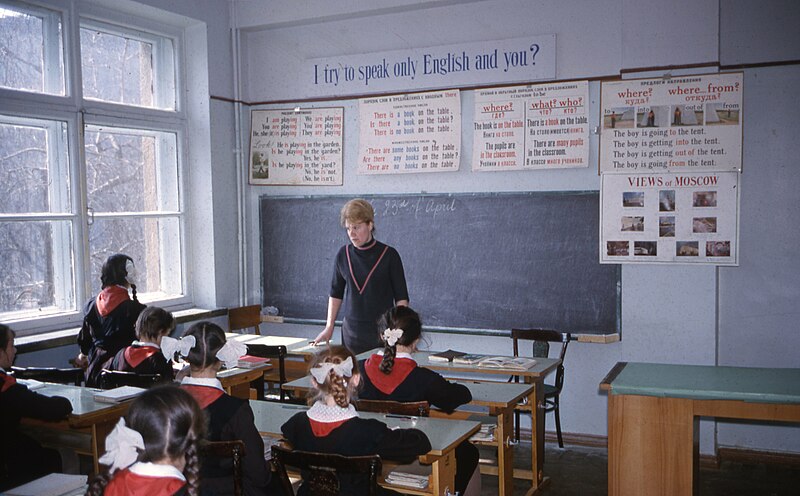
{"x":368,"y":275}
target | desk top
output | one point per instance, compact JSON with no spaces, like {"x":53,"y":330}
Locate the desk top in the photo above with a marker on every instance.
{"x":294,"y":345}
{"x":705,"y":382}
{"x":85,"y":410}
{"x":496,"y":394}
{"x":442,"y":433}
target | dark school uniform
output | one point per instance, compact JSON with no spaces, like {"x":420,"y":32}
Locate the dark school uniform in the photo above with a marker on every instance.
{"x":369,"y":280}
{"x":229,"y":418}
{"x":108,"y":326}
{"x":332,"y":429}
{"x":22,"y":459}
{"x":143,"y":358}
{"x":409,"y":382}
{"x":147,"y":479}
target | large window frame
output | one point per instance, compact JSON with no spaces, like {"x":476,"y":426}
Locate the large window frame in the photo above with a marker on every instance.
{"x":72,"y":260}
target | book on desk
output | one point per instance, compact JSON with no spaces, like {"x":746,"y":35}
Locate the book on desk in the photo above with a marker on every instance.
{"x":485,"y":361}
{"x":251,"y":362}
{"x":118,"y":394}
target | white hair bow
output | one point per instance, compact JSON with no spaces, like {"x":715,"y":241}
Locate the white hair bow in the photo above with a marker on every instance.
{"x":122,"y":447}
{"x":130,"y":269}
{"x":182,"y":345}
{"x":344,"y":369}
{"x":392,"y":335}
{"x":230,"y":353}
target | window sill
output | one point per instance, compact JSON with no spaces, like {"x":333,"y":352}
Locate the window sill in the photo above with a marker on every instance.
{"x":67,"y":337}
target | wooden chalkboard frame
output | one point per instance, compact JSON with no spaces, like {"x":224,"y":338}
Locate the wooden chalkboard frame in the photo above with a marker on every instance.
{"x":298,"y":265}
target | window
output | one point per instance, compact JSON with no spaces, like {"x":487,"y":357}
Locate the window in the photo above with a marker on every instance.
{"x":89,"y":171}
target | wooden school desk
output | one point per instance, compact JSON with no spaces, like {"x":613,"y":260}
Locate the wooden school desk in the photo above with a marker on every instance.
{"x":654,"y":411}
{"x":298,"y":350}
{"x":499,"y":398}
{"x":534,"y":376}
{"x":444,"y":436}
{"x":88,"y":416}
{"x":237,"y":381}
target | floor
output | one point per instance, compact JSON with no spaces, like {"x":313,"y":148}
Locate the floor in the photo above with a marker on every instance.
{"x":579,"y":471}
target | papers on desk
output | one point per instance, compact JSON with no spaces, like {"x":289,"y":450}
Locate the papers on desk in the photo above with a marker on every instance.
{"x":496,"y":362}
{"x":485,"y":434}
{"x":119,"y":394}
{"x":468,"y":359}
{"x":404,"y":479}
{"x":31,"y":384}
{"x":52,"y":485}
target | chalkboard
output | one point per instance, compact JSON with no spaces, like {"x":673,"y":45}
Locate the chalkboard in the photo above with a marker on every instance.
{"x":473,"y":261}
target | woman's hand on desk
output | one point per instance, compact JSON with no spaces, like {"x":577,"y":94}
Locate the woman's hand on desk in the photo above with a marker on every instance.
{"x":323,"y":337}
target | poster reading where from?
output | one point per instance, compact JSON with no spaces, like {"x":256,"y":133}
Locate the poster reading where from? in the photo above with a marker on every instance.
{"x":531,"y":127}
{"x":418,"y":132}
{"x":687,"y":123}
{"x":296,"y":147}
{"x":674,"y":218}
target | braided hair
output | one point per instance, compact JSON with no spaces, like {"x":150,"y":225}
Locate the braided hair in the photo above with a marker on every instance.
{"x":209,"y":338}
{"x":400,"y":317}
{"x":114,"y":272}
{"x":172,"y":425}
{"x":341,"y":388}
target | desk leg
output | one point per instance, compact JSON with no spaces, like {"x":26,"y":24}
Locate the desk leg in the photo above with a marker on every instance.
{"x":652,"y":446}
{"x":505,"y":454}
{"x":443,"y":473}
{"x":99,"y":433}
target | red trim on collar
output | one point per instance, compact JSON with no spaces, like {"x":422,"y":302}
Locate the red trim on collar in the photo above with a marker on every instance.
{"x":7,"y":382}
{"x":135,"y":355}
{"x":126,"y":483}
{"x":110,"y":298}
{"x":204,"y":395}
{"x":322,"y":429}
{"x":350,"y":264}
{"x":387,"y":383}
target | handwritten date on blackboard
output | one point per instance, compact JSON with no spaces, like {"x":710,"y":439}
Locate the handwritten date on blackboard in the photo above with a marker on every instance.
{"x":418,"y":208}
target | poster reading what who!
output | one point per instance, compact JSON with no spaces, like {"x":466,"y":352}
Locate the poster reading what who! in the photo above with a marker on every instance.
{"x":542,"y":126}
{"x":679,"y":124}
{"x":419,"y":132}
{"x":679,"y":218}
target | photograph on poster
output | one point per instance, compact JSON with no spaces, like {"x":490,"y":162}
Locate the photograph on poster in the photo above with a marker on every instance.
{"x":704,"y":199}
{"x":718,"y":248}
{"x":618,"y":117}
{"x":633,"y":199}
{"x":704,"y":225}
{"x":666,"y":200}
{"x":617,"y":248}
{"x":722,"y":114}
{"x":655,"y":116}
{"x":687,"y":249}
{"x":645,"y":248}
{"x":633,"y":223}
{"x":666,"y":227}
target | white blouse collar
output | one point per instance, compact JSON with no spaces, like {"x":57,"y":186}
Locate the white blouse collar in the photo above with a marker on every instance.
{"x":321,"y":412}
{"x":398,"y":355}
{"x":142,"y":343}
{"x":148,"y":469}
{"x":203,"y":381}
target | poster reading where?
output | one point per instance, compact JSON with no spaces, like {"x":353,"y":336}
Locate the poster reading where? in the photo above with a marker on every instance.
{"x":676,"y":218}
{"x":680,"y":124}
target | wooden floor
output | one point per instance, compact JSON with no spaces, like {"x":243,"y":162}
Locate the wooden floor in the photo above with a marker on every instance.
{"x":577,"y":471}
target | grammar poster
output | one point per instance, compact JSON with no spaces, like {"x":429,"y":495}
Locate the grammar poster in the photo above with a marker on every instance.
{"x":687,"y":218}
{"x":541,"y":126}
{"x":679,"y":124}
{"x":296,"y":147}
{"x":419,"y":132}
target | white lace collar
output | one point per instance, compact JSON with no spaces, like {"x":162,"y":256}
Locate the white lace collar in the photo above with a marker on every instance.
{"x":321,"y":412}
{"x":148,"y":469}
{"x":202,"y":381}
{"x":399,"y":355}
{"x":143,"y":343}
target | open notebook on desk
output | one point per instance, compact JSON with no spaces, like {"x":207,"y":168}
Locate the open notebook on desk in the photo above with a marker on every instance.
{"x":493,"y":362}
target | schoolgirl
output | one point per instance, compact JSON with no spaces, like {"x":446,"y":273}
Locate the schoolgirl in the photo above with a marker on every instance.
{"x":205,"y":348}
{"x":332,"y":424}
{"x":145,"y":355}
{"x":109,"y":319}
{"x":393,"y":375}
{"x":22,"y":459}
{"x":153,"y":450}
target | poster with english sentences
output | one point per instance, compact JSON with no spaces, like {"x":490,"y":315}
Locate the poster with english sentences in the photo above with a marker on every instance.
{"x":686,"y":123}
{"x":686,"y":218}
{"x":541,"y":126}
{"x":296,"y":147}
{"x":419,"y":132}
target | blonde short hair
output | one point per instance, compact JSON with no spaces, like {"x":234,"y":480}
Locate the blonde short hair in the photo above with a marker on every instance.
{"x":357,"y":210}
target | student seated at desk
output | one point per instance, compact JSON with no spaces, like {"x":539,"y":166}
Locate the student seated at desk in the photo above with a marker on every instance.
{"x":156,"y":451}
{"x":332,"y":424}
{"x":229,"y":418}
{"x":21,"y":458}
{"x":145,"y":355}
{"x":393,"y":375}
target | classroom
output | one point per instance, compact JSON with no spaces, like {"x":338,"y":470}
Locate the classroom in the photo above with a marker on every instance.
{"x":236,"y":57}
